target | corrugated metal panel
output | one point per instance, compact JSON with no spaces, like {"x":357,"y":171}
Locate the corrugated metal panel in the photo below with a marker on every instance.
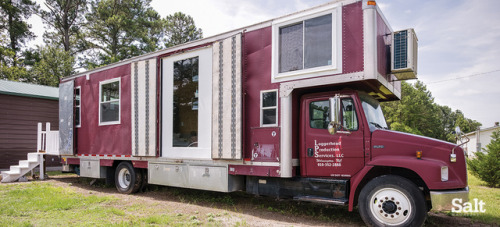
{"x":66,"y":123}
{"x":18,"y":126}
{"x":28,"y":90}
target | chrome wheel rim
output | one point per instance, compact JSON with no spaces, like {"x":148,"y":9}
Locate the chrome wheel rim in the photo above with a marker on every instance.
{"x":390,"y":206}
{"x":124,"y":178}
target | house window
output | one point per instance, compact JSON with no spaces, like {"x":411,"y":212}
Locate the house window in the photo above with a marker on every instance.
{"x":307,"y":44}
{"x":185,"y":111}
{"x":109,"y":102}
{"x":269,"y":108}
{"x":78,"y":111}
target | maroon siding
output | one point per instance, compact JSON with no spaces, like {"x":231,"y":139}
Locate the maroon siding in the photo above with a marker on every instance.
{"x":352,"y":38}
{"x":257,"y":73}
{"x":19,"y":117}
{"x":106,"y":139}
{"x":383,"y":47}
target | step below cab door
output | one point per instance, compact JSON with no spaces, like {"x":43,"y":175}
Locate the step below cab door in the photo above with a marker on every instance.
{"x":326,"y":155}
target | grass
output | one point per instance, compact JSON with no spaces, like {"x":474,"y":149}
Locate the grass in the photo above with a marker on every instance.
{"x":481,"y":192}
{"x":43,"y":204}
{"x":491,"y":198}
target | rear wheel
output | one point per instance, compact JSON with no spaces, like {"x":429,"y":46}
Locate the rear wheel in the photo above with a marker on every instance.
{"x":392,"y":201}
{"x":127,"y":178}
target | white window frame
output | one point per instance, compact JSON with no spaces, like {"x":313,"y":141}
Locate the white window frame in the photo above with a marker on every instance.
{"x":119,"y":100}
{"x":204,"y":149}
{"x":79,"y":88}
{"x":336,"y":65}
{"x":262,"y":108}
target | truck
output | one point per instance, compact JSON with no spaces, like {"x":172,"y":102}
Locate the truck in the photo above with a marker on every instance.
{"x":287,"y":108}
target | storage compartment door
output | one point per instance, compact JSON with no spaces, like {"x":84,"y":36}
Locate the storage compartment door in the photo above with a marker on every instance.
{"x":226,"y":99}
{"x":143,"y":101}
{"x":66,"y":123}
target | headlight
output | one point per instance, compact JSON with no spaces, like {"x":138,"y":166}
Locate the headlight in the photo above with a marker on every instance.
{"x":444,"y":173}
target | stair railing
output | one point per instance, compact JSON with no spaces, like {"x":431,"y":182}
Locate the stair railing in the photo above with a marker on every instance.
{"x":47,"y":143}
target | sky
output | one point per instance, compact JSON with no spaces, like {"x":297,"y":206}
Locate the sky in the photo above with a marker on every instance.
{"x":459,"y":41}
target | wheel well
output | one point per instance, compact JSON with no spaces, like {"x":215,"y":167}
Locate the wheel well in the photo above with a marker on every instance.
{"x":387,"y":170}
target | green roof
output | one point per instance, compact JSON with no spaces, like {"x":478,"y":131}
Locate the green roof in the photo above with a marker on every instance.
{"x":28,"y":90}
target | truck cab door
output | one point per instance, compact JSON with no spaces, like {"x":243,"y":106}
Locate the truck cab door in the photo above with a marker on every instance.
{"x":325,"y":155}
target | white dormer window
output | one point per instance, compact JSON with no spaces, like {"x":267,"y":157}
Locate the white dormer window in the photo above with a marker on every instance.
{"x":307,"y":44}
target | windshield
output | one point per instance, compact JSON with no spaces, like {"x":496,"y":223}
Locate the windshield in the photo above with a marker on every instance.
{"x":373,"y":112}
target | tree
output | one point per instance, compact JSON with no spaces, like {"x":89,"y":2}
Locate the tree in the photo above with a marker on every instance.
{"x":180,"y":28}
{"x":64,"y":18}
{"x":54,"y":64}
{"x":486,"y":165}
{"x":120,"y":29}
{"x":14,"y":24}
{"x":417,"y":113}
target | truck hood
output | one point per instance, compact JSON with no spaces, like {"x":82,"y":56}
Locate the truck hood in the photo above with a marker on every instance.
{"x":386,"y":142}
{"x":394,"y":148}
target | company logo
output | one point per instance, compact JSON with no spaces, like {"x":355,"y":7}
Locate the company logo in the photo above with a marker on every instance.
{"x":477,"y":206}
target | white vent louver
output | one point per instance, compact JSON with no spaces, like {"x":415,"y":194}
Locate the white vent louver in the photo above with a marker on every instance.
{"x":404,"y":50}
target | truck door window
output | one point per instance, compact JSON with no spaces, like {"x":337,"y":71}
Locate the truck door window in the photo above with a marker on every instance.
{"x":319,"y":114}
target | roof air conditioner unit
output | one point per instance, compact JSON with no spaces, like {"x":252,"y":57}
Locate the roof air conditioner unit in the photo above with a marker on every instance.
{"x":404,"y":50}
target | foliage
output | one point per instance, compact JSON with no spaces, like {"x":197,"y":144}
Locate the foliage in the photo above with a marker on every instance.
{"x":64,"y":19}
{"x":14,"y":26}
{"x":486,"y":165}
{"x":180,"y":28}
{"x":55,"y":63}
{"x":417,"y":113}
{"x":117,"y":30}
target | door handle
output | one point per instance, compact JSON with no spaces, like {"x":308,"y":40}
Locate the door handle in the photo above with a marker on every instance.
{"x":310,"y":152}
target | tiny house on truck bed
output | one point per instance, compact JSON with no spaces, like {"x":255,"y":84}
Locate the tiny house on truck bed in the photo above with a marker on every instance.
{"x":288,"y":107}
{"x":225,"y":106}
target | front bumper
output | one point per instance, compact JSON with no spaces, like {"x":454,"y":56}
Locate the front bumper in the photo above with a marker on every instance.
{"x":442,"y":200}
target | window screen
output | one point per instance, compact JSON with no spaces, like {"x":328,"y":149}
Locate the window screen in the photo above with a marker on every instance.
{"x":291,"y":50}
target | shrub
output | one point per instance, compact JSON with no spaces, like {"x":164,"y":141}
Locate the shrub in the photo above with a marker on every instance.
{"x":486,"y":165}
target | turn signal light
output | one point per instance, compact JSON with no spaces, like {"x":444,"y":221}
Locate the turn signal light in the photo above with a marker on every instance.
{"x":419,"y":154}
{"x":371,"y":3}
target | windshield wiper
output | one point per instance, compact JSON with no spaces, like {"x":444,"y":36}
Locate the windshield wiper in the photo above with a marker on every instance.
{"x":377,"y":125}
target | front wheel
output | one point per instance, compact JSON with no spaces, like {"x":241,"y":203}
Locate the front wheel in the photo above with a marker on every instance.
{"x":127,"y":178}
{"x":392,"y":201}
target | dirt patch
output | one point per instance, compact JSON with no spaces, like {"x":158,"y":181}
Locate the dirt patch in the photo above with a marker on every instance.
{"x":233,"y":209}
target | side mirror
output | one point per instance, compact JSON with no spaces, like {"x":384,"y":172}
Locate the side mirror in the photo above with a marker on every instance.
{"x":334,"y":124}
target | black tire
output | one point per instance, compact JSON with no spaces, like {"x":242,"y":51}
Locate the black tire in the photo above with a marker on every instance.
{"x":392,"y":201}
{"x":127,"y":179}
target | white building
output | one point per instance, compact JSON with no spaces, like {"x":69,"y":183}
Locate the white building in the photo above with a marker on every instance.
{"x":478,"y":139}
